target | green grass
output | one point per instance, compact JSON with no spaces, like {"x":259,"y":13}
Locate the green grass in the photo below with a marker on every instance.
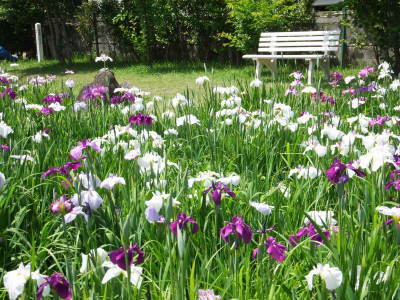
{"x":164,"y":79}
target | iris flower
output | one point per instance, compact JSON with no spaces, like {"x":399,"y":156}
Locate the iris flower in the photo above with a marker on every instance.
{"x":217,"y":192}
{"x":181,"y":222}
{"x":274,"y":249}
{"x":238,"y":229}
{"x":337,"y":172}
{"x":59,"y":285}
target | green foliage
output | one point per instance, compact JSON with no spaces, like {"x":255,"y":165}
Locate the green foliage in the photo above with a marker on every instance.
{"x":248,"y":18}
{"x":172,"y":29}
{"x":380,"y":24}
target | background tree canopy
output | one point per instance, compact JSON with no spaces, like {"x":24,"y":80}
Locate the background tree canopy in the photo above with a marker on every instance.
{"x":151,"y":30}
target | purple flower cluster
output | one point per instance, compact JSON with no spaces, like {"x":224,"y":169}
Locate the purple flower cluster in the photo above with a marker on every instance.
{"x":94,"y":92}
{"x":8,"y":92}
{"x":5,"y":147}
{"x":237,"y":228}
{"x":308,"y":230}
{"x":181,"y":222}
{"x":141,"y":119}
{"x":217,"y":189}
{"x":59,"y":284}
{"x":62,"y":205}
{"x":274,"y":249}
{"x":394,"y":180}
{"x":364,"y":72}
{"x":126,"y":97}
{"x":335,"y":78}
{"x":123,"y":258}
{"x":337,"y":172}
{"x":379,"y":120}
{"x":63,"y":170}
{"x":46,"y":111}
{"x":77,"y":152}
{"x":321,"y":96}
{"x":4,"y":80}
{"x":53,"y":98}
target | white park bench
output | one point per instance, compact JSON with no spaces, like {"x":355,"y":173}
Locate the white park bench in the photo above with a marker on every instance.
{"x":314,"y":46}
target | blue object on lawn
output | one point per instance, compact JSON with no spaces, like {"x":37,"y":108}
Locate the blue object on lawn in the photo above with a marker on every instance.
{"x":4,"y":54}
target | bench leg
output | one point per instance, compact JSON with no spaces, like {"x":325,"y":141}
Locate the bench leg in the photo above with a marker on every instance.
{"x":310,"y":72}
{"x":325,"y":67}
{"x":272,"y":66}
{"x":258,"y":69}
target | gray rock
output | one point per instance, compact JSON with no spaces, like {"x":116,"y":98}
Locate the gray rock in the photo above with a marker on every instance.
{"x":105,"y":78}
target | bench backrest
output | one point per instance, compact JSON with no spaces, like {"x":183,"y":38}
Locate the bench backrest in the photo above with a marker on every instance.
{"x":299,"y":41}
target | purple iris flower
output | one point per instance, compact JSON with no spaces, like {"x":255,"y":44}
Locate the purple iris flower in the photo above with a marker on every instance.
{"x":364,"y":72}
{"x":118,"y":256}
{"x":350,"y":91}
{"x":8,"y":92}
{"x":217,"y":189}
{"x":337,"y":172}
{"x":394,"y":180}
{"x":5,"y":147}
{"x":63,"y":170}
{"x":369,"y":88}
{"x":94,"y":92}
{"x":238,"y":229}
{"x":379,"y":120}
{"x":141,"y":119}
{"x":308,"y":230}
{"x":4,"y":80}
{"x":59,"y":284}
{"x":62,"y":205}
{"x":181,"y":221}
{"x":323,"y":97}
{"x":274,"y":249}
{"x":291,"y":91}
{"x":53,"y":98}
{"x":76,"y":152}
{"x":335,"y":78}
{"x":46,"y":111}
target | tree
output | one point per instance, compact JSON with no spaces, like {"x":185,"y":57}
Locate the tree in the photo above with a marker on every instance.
{"x":380,"y":23}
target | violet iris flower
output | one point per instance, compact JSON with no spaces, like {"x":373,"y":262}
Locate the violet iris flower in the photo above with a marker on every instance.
{"x":274,"y":249}
{"x":4,"y":80}
{"x":217,"y":189}
{"x":394,"y":180}
{"x":309,"y":230}
{"x":369,"y":88}
{"x":364,"y":72}
{"x":8,"y":92}
{"x":337,"y":172}
{"x":59,"y":284}
{"x":53,"y":98}
{"x":181,"y":221}
{"x":94,"y":92}
{"x":379,"y":120}
{"x":117,"y":257}
{"x":46,"y":111}
{"x":76,"y":152}
{"x":128,"y":97}
{"x":62,"y":205}
{"x":323,"y":97}
{"x":238,"y":229}
{"x":63,"y":170}
{"x":335,"y":77}
{"x":141,"y":119}
{"x":5,"y":147}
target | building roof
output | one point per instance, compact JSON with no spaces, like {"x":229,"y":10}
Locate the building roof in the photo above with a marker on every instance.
{"x":326,"y":2}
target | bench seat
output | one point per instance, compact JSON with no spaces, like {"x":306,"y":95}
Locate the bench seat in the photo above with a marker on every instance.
{"x":313,"y":46}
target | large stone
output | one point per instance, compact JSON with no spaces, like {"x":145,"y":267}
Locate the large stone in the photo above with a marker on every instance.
{"x":105,"y":78}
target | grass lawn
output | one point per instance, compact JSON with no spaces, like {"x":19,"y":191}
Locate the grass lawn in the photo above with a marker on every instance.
{"x":163,"y":79}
